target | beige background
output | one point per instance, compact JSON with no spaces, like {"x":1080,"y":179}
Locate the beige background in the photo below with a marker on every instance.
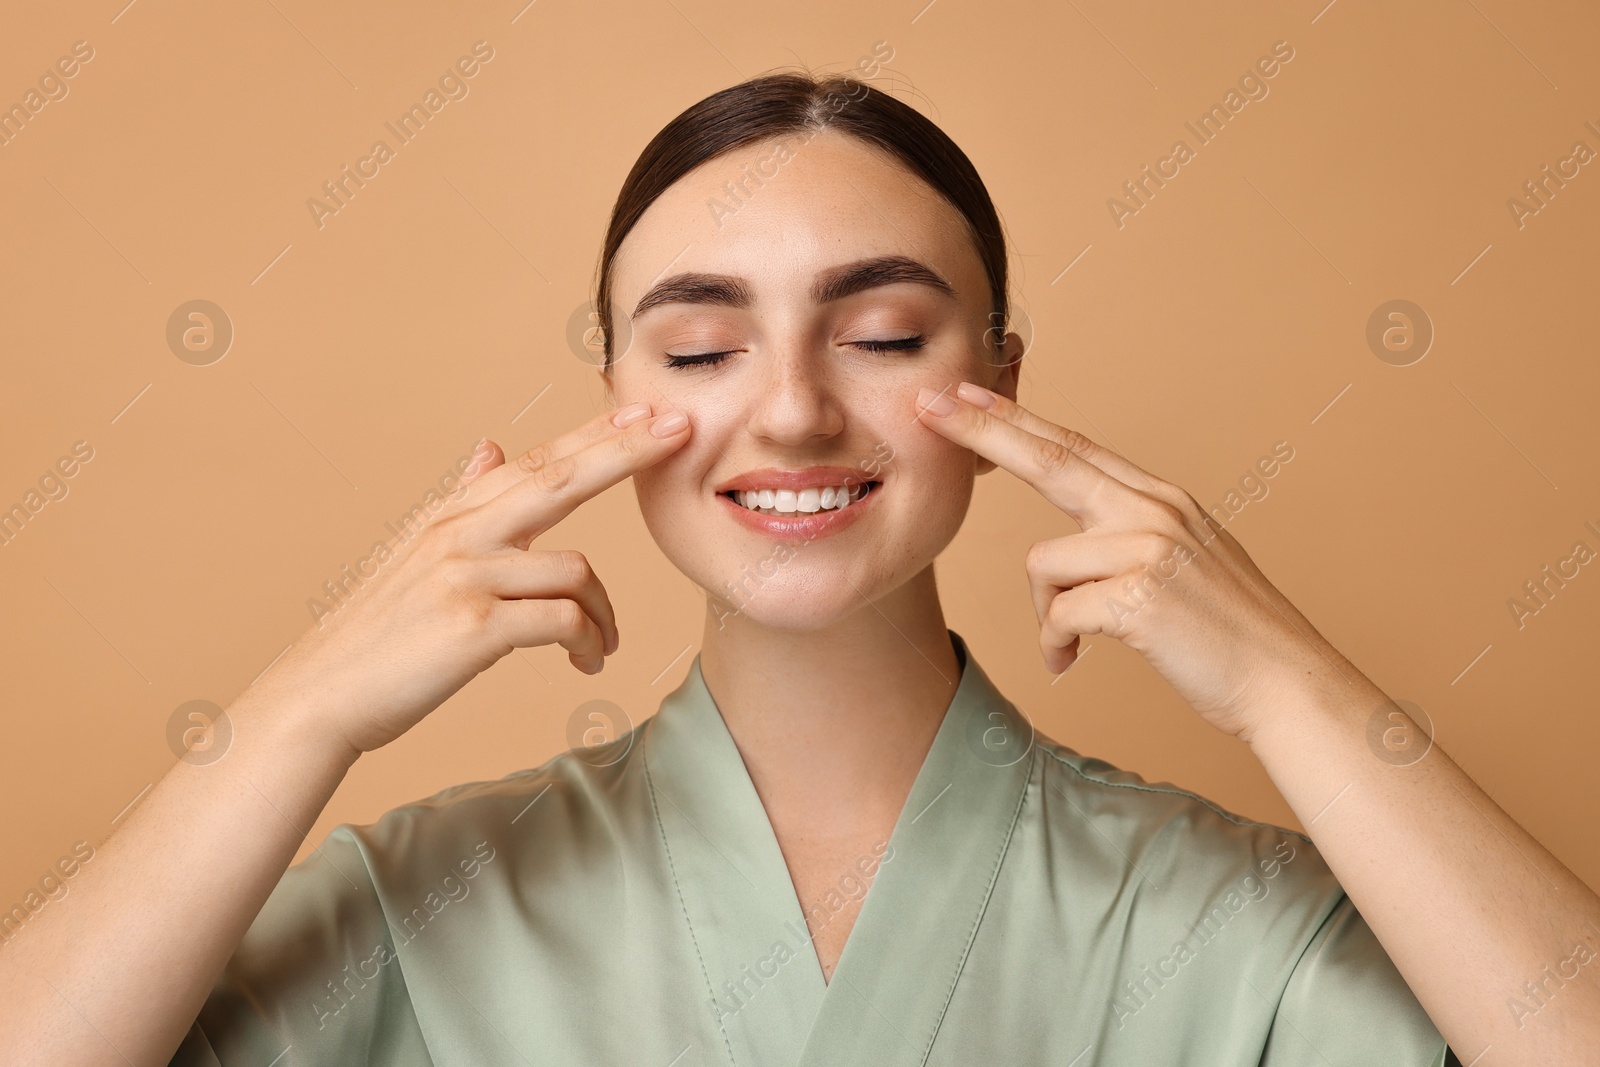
{"x":1227,"y":315}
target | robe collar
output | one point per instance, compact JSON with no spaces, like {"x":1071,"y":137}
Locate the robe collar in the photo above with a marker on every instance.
{"x":764,"y":986}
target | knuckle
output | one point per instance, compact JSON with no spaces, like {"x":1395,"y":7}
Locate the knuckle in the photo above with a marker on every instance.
{"x":569,"y":617}
{"x":533,"y":460}
{"x":1060,"y":610}
{"x":1173,"y":496}
{"x":1052,"y":456}
{"x":572,"y":567}
{"x":1188,"y":507}
{"x":634,"y":440}
{"x":1097,"y":495}
{"x":1155,"y":546}
{"x":1079,"y":444}
{"x":555,"y":476}
{"x":1038,"y":557}
{"x":1165,"y":516}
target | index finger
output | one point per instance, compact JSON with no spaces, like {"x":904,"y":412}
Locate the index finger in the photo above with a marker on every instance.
{"x":498,"y":479}
{"x":1113,"y":463}
{"x":549,"y":494}
{"x":1062,"y":476}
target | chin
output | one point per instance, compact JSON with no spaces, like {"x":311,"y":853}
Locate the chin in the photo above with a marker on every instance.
{"x":798,"y":587}
{"x":781,"y":609}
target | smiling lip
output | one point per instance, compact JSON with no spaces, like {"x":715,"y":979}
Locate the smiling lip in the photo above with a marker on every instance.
{"x":801,"y":527}
{"x":805,"y":478}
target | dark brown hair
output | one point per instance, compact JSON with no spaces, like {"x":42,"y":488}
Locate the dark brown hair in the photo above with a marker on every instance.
{"x":772,"y":105}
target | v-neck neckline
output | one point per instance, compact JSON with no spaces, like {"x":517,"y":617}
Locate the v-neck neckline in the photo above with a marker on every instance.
{"x":910,"y":939}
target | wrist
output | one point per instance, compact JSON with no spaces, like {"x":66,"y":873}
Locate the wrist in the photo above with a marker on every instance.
{"x":1307,"y":703}
{"x":295,"y":721}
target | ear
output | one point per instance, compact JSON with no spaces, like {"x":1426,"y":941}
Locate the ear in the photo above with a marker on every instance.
{"x":1004,"y":371}
{"x":1008,"y":371}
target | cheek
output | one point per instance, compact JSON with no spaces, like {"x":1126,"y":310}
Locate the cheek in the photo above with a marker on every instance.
{"x":714,"y":406}
{"x":661,"y":487}
{"x":952,"y":471}
{"x":667,"y":510}
{"x":934,"y":477}
{"x":929,"y":456}
{"x":673,"y":489}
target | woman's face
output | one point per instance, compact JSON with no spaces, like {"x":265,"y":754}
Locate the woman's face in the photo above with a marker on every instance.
{"x":794,"y":325}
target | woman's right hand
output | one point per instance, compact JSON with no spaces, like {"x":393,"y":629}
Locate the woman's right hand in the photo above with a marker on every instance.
{"x":467,"y":589}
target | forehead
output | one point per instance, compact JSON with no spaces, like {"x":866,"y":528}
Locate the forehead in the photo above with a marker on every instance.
{"x":778,"y":212}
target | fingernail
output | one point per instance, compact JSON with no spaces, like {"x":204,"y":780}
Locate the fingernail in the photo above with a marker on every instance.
{"x":936,"y":402}
{"x":629,"y":415}
{"x":480,"y":455}
{"x":976,"y":395}
{"x":669,"y":424}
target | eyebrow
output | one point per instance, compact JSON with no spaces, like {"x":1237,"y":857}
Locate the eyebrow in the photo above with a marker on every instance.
{"x":835,"y":283}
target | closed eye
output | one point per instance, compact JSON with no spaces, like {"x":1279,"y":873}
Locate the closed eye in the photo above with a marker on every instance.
{"x":709,"y":359}
{"x":703,"y":359}
{"x":903,"y":344}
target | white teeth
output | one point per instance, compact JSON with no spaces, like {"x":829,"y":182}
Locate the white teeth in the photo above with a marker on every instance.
{"x":799,"y":502}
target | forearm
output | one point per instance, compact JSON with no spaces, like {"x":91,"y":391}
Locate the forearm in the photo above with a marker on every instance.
{"x":1468,"y":905}
{"x":118,"y":971}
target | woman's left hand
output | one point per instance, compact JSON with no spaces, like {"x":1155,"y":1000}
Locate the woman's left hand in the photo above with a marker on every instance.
{"x":1151,"y":567}
{"x":1254,"y":667}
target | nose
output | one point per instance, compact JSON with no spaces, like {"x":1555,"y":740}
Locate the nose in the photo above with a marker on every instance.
{"x":797,"y":401}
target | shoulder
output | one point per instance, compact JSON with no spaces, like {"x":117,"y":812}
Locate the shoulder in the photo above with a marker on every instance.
{"x":1174,"y":836}
{"x":1152,"y":806}
{"x":581,"y":801}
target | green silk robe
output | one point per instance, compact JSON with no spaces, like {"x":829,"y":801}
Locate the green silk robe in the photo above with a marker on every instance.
{"x":629,"y":904}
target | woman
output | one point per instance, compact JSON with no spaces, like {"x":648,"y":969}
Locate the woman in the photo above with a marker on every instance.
{"x":798,"y":288}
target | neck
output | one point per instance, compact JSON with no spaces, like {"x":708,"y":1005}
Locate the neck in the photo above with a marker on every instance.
{"x":834,"y":724}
